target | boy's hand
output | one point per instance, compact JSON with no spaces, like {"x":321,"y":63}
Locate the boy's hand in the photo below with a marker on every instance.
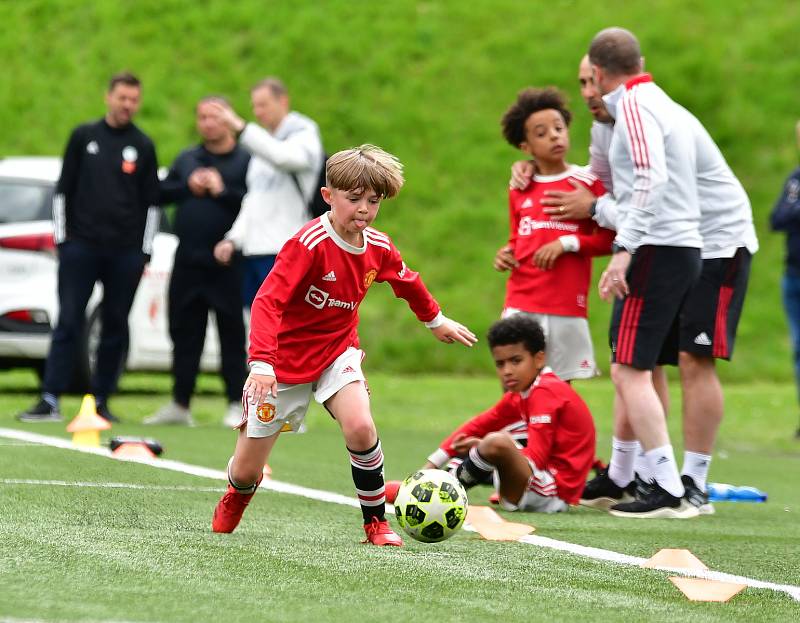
{"x":547,"y":254}
{"x":451,"y":331}
{"x":223,"y":252}
{"x":504,"y":259}
{"x":521,"y":173}
{"x":258,"y":387}
{"x":463,"y":444}
{"x":573,"y":205}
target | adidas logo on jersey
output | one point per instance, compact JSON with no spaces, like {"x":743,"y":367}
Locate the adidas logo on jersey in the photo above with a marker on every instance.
{"x":331,"y":276}
{"x":702,"y":339}
{"x":349,"y":370}
{"x":528,"y":203}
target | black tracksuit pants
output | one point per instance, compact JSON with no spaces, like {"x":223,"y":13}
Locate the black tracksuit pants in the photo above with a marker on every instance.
{"x":193,"y":292}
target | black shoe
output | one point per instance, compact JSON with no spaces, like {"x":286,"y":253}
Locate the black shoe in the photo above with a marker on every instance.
{"x":657,"y":504}
{"x":601,"y":492}
{"x":103,"y":412}
{"x":643,"y":488}
{"x":40,"y":412}
{"x":695,"y":497}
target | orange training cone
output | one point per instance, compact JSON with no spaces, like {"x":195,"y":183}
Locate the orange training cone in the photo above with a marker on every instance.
{"x":86,"y":426}
{"x":133,"y":450}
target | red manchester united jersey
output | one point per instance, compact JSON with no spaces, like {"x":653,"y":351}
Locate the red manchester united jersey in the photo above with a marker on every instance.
{"x":306,"y":312}
{"x":561,"y":436}
{"x":563,"y":289}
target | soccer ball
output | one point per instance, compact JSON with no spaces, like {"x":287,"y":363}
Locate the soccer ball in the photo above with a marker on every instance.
{"x":431,"y":505}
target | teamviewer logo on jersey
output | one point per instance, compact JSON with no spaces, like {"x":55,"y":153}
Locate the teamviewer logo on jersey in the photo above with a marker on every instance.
{"x":316,"y":297}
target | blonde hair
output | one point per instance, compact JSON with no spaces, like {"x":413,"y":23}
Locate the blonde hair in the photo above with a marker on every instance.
{"x":365,"y":166}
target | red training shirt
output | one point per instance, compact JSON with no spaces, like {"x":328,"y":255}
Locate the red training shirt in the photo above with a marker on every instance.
{"x":306,"y":312}
{"x":563,"y":289}
{"x":561,"y":435}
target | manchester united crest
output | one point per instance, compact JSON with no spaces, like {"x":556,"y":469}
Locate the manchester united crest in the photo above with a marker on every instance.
{"x":265,"y":412}
{"x":370,"y":277}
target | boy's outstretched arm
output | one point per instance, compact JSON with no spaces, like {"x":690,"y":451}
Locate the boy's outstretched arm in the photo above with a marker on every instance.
{"x":450,"y":331}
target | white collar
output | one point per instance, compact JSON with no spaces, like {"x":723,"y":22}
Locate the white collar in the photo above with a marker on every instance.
{"x":612,"y":99}
{"x":341,"y":242}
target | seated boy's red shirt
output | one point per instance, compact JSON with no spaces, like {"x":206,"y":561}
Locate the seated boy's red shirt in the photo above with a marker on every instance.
{"x":560,"y":428}
{"x":562,"y":290}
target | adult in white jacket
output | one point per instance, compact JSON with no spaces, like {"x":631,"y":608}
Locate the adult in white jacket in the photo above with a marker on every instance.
{"x":287,"y":152}
{"x":653,"y":158}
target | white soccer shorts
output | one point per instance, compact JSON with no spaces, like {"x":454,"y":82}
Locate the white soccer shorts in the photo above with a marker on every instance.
{"x":570,"y":352}
{"x":541,"y":496}
{"x":287,"y":412}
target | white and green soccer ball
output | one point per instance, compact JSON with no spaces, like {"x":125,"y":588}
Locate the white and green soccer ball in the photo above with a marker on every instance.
{"x":431,"y":505}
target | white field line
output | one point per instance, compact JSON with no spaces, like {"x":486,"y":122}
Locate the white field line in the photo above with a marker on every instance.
{"x":334,"y":498}
{"x":108,"y":485}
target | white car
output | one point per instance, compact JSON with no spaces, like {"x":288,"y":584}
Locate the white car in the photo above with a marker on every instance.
{"x":28,"y":282}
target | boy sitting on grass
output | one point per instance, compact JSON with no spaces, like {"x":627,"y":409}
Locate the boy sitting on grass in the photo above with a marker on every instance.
{"x":551,"y":260}
{"x":549,"y":474}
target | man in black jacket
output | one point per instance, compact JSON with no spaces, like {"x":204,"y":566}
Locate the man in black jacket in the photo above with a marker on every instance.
{"x":207,"y":183}
{"x":105,"y":216}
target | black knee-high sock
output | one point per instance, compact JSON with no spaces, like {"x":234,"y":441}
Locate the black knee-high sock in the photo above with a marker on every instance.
{"x":367,"y":468}
{"x":474,"y":470}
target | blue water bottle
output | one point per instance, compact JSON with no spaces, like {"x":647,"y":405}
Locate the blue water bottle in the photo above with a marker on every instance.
{"x":720,"y":492}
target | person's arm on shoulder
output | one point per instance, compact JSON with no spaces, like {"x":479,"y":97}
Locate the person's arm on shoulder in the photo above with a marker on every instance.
{"x":408,"y":285}
{"x":786,"y":213}
{"x":65,"y":187}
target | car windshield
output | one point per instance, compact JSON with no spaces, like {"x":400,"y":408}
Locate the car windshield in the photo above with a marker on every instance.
{"x":22,"y":201}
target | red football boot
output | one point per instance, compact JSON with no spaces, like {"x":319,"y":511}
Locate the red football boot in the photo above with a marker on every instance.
{"x":391,"y":487}
{"x":230,"y":508}
{"x":494,"y":498}
{"x":380,"y":533}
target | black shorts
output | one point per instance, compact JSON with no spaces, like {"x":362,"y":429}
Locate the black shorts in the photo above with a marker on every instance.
{"x":713,"y":307}
{"x":645,"y":324}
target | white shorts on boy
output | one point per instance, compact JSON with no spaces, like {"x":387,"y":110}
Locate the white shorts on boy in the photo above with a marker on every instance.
{"x":570,"y":352}
{"x":288,"y":410}
{"x":541,"y":496}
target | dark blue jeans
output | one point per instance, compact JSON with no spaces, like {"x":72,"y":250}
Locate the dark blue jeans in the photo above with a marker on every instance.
{"x":80,"y":265}
{"x":791,"y":303}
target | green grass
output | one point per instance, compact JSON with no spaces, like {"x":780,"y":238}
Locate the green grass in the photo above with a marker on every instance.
{"x":90,"y":554}
{"x":428,"y":81}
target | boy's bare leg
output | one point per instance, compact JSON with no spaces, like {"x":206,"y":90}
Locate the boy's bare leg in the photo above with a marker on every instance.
{"x":350,"y":407}
{"x":249,"y":458}
{"x":513,"y":469}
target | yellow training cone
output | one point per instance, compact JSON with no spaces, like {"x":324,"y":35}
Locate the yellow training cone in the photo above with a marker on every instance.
{"x":86,"y":426}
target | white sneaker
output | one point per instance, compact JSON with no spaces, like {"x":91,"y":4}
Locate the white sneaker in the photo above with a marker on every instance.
{"x":233,"y":415}
{"x":171,"y":413}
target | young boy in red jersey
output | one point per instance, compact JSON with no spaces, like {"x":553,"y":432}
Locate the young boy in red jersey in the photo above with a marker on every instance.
{"x":304,"y":340}
{"x":551,"y":261}
{"x":548,"y":474}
